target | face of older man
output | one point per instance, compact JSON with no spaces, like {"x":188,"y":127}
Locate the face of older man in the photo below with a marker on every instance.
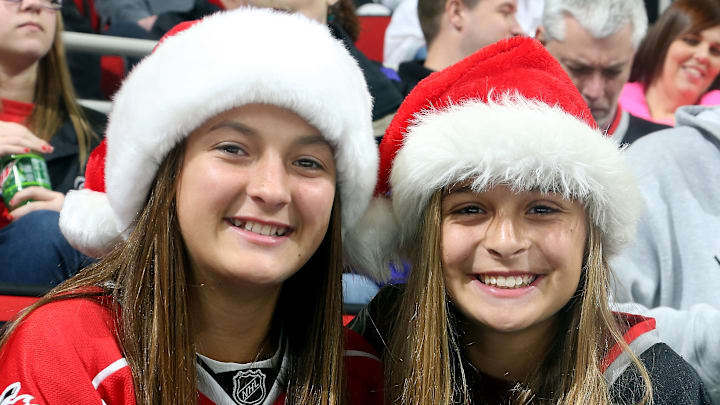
{"x":599,"y":67}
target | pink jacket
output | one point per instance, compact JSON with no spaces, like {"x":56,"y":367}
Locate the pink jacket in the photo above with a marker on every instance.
{"x":632,"y":100}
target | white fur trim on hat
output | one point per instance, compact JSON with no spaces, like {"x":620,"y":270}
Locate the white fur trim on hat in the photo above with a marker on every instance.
{"x":228,"y":60}
{"x":86,"y":209}
{"x":524,"y":144}
{"x":372,"y":242}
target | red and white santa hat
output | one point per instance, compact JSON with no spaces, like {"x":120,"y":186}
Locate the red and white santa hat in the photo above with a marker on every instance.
{"x":202,"y":69}
{"x":507,"y":114}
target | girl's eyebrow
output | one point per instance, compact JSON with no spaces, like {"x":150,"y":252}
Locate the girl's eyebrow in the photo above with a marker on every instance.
{"x":459,"y":189}
{"x":236,"y":126}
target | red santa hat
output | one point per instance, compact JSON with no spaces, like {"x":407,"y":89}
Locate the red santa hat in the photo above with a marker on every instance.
{"x":202,"y":69}
{"x":507,"y":114}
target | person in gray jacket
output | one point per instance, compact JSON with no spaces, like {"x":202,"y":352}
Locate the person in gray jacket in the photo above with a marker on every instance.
{"x":672,"y":270}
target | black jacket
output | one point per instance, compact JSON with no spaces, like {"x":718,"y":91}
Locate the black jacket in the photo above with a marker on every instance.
{"x":63,"y":163}
{"x":386,"y":96}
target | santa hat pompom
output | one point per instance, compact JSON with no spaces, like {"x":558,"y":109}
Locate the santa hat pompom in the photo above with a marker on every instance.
{"x":373,"y":243}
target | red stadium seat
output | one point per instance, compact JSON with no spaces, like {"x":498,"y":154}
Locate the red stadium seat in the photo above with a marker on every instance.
{"x":372,"y":36}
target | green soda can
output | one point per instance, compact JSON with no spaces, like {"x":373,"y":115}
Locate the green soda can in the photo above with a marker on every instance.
{"x":20,"y":172}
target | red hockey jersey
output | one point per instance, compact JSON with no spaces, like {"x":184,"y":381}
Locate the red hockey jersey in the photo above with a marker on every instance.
{"x":65,"y":352}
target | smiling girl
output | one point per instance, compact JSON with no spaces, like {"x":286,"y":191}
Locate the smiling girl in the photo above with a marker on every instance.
{"x":508,"y":200}
{"x":215,"y":209}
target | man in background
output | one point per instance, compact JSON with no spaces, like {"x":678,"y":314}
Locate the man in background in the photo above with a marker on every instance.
{"x":595,"y":41}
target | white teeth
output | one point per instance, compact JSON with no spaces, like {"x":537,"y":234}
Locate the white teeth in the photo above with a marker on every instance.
{"x":507,"y":282}
{"x":267,"y":230}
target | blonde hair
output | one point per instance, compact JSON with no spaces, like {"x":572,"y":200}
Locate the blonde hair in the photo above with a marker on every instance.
{"x":149,"y":274}
{"x":424,"y":360}
{"x":55,"y":98}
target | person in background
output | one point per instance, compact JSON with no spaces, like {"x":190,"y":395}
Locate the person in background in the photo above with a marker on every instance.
{"x":404,"y":40}
{"x":454,"y":29}
{"x":338,"y":15}
{"x":498,"y":186}
{"x":672,"y":270}
{"x":149,"y":19}
{"x":595,"y":42}
{"x":39,"y":114}
{"x":218,"y":220}
{"x":677,"y":63}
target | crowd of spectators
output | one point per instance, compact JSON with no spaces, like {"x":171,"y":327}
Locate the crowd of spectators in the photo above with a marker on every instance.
{"x":651,"y":85}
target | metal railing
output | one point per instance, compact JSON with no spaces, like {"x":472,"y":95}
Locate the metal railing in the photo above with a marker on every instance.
{"x":105,"y":45}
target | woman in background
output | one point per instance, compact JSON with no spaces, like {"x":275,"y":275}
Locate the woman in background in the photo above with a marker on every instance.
{"x":677,"y":63}
{"x":39,"y":114}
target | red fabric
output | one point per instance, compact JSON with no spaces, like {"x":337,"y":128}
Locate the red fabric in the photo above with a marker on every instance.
{"x":517,"y":64}
{"x":112,"y":72}
{"x":616,"y":121}
{"x":10,"y":305}
{"x":346,"y":319}
{"x":371,"y":39}
{"x":18,"y":112}
{"x":66,"y":352}
{"x":95,"y":168}
{"x":637,"y":326}
{"x":217,"y":3}
{"x":90,"y":13}
{"x":59,"y":349}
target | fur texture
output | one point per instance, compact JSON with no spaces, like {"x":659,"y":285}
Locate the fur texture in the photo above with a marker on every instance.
{"x":225,"y":61}
{"x":85,"y":210}
{"x":508,"y":114}
{"x":545,"y":148}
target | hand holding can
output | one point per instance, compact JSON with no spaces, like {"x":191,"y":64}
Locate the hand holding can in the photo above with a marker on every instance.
{"x":20,"y":172}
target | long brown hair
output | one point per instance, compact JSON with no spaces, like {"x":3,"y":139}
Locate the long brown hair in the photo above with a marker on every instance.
{"x":148,"y":275}
{"x":55,"y":98}
{"x":680,"y":18}
{"x":425,"y":356}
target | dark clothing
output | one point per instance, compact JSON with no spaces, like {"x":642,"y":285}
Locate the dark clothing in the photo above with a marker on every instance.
{"x":33,"y":252}
{"x":675,"y":382}
{"x":627,"y":128}
{"x":84,"y":67}
{"x":167,"y":20}
{"x":411,"y":73}
{"x":638,"y":127}
{"x":386,"y":96}
{"x":63,"y":163}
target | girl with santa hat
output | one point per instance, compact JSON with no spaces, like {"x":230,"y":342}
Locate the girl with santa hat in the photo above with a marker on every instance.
{"x":215,"y":210}
{"x":498,"y":187}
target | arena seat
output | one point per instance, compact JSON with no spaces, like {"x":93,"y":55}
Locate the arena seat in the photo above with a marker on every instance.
{"x":371,"y":39}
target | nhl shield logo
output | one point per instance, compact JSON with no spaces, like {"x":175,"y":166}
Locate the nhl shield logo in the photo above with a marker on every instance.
{"x":249,"y":387}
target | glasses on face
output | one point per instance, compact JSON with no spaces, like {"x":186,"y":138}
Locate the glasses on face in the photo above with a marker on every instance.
{"x":48,"y":4}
